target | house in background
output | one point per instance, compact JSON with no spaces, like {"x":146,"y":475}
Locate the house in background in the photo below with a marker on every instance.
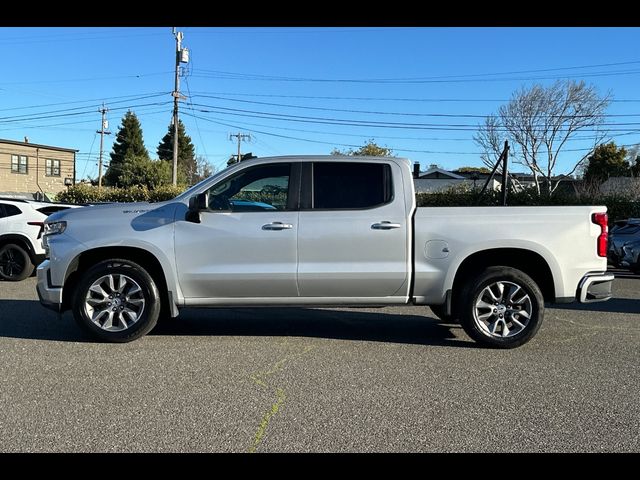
{"x":31,"y":170}
{"x":436,"y":179}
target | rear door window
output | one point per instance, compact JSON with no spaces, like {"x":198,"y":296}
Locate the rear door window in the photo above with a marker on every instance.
{"x":351,"y":185}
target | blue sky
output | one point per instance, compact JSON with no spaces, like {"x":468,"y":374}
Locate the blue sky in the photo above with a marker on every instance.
{"x":285,"y":86}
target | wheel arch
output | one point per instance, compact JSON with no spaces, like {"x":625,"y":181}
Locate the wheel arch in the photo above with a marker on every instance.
{"x":142,"y":257}
{"x":21,"y":240}
{"x":527,"y":261}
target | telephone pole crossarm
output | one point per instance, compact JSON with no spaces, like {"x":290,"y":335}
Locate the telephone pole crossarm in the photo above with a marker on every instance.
{"x":240,"y":137}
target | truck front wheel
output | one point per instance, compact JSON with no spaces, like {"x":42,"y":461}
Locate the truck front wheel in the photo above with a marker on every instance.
{"x":116,"y":301}
{"x":502,"y":307}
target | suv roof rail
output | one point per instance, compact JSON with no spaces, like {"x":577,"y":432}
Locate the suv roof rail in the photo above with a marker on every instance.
{"x":32,"y":200}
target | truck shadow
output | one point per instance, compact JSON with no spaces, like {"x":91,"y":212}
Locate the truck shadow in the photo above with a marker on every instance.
{"x":615,"y":305}
{"x":27,"y":319}
{"x":351,"y":324}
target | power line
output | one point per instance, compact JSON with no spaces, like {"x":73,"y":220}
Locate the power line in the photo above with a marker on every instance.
{"x":361,"y":123}
{"x":39,"y":116}
{"x":472,"y":75}
{"x":400,"y":149}
{"x":351,"y":145}
{"x":84,"y":170}
{"x":368,"y":99}
{"x":87,"y":79}
{"x":63,"y":110}
{"x":54,"y":126}
{"x":270,"y":78}
{"x":376,"y":112}
{"x":138,"y":96}
{"x":393,"y":137}
{"x":64,"y":37}
{"x":186,"y":81}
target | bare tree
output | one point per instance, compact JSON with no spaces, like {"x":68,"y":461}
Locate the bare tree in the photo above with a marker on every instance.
{"x":490,"y":140}
{"x":204,"y":169}
{"x":490,"y":137}
{"x":539,"y":121}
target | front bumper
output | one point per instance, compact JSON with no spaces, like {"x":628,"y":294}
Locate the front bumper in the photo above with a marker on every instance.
{"x":595,"y":287}
{"x":50,"y":297}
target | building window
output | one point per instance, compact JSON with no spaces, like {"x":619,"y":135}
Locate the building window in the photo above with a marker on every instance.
{"x":52,"y":168}
{"x":19,"y":164}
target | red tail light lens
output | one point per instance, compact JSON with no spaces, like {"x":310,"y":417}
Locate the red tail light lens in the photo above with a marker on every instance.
{"x":602,"y":220}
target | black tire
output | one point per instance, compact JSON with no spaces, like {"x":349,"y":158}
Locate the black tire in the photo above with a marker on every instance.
{"x":147,"y":315}
{"x":15,"y":263}
{"x":438,"y":311}
{"x":471,"y":294}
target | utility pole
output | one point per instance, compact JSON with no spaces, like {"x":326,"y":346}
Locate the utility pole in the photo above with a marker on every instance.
{"x":102,"y":132}
{"x":505,"y":171}
{"x":240,"y":136}
{"x":182,"y":56}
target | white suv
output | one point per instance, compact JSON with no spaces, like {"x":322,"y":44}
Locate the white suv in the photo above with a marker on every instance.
{"x":21,"y":225}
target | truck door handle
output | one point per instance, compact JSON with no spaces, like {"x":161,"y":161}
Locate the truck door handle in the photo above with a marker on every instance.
{"x":385,"y":225}
{"x":277,"y":226}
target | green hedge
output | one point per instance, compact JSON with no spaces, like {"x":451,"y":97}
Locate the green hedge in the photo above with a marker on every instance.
{"x":618,"y":207}
{"x":83,"y":193}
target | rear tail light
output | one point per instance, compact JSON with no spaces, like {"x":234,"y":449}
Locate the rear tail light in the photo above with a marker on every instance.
{"x":38,"y":224}
{"x":602,"y":220}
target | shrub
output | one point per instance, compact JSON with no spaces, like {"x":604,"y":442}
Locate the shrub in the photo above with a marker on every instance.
{"x":166,"y":192}
{"x":618,"y":207}
{"x":83,"y":193}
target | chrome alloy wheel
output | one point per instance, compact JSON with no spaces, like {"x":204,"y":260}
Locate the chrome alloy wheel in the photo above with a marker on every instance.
{"x":114,"y":302}
{"x":502,"y":310}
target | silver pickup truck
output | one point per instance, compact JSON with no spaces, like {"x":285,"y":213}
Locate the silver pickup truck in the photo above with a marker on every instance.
{"x":321,"y":231}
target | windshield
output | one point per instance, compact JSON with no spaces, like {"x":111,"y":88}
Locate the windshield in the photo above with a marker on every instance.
{"x":191,"y":191}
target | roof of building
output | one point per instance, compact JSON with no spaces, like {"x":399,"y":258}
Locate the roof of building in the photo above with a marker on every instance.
{"x":440,"y":171}
{"x":37,"y":145}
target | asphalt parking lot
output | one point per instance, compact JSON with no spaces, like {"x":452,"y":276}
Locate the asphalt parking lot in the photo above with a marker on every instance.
{"x":325,"y":380}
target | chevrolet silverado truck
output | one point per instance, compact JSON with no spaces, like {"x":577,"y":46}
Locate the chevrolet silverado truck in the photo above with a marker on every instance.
{"x":321,"y":231}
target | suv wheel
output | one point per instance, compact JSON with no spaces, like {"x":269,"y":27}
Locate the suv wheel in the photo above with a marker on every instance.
{"x":502,"y":307}
{"x":117,"y":301}
{"x":15,"y":263}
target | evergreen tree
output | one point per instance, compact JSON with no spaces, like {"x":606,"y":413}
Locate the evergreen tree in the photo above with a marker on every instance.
{"x":128,"y":143}
{"x":369,"y":149}
{"x":635,"y":168}
{"x":187,"y":165}
{"x":138,"y":170}
{"x":607,"y":160}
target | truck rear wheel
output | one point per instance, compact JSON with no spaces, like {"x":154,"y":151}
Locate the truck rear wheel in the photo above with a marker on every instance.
{"x":502,"y":307}
{"x":116,"y":301}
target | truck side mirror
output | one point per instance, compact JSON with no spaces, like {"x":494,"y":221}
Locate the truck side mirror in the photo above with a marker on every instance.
{"x":197,"y":203}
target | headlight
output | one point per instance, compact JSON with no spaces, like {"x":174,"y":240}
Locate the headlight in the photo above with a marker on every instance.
{"x":54,"y":228}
